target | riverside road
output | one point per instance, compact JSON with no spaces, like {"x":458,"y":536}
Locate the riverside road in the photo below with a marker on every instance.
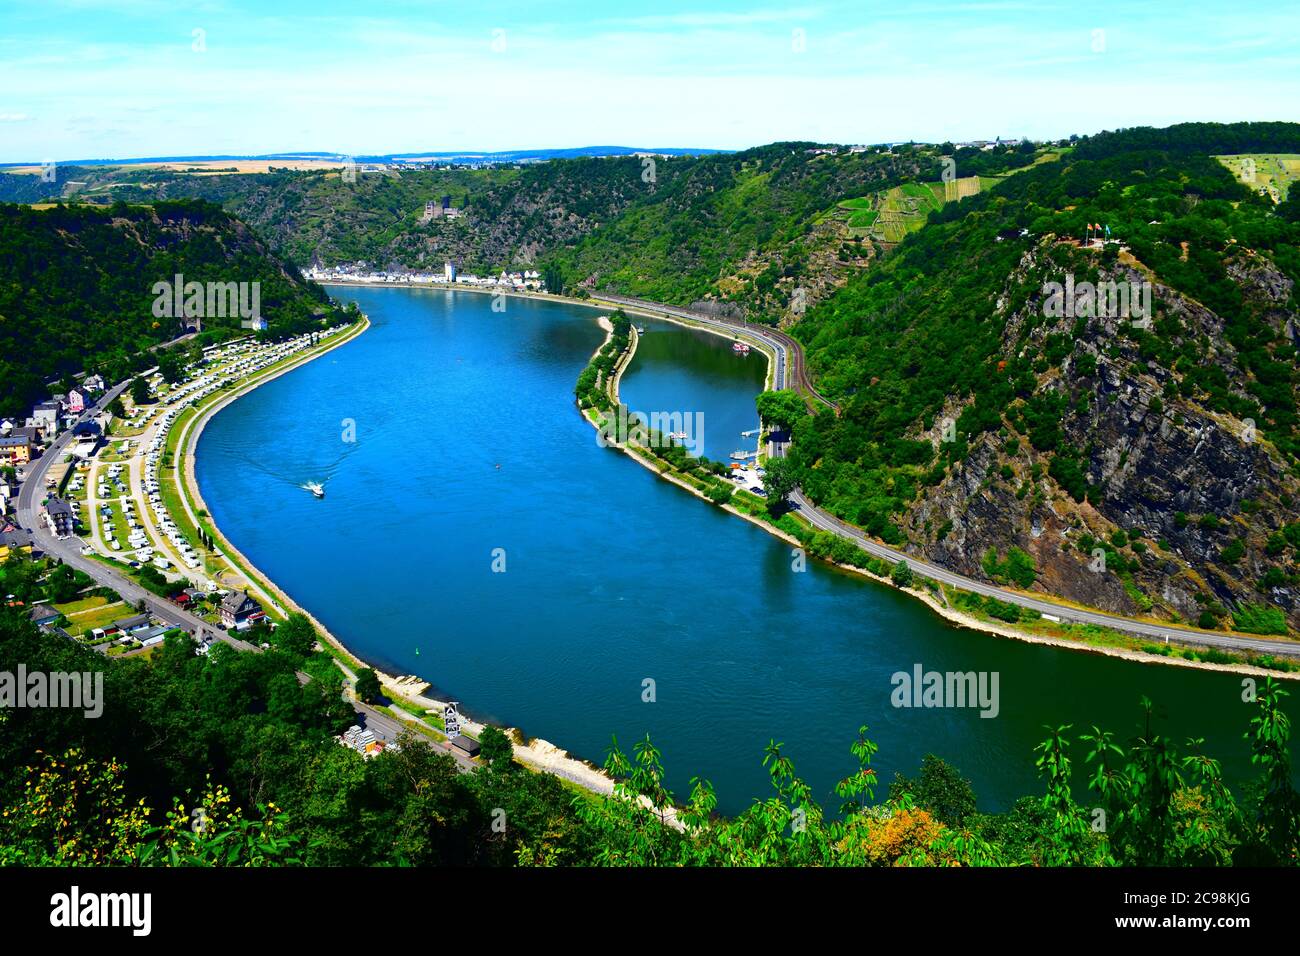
{"x":789,"y":367}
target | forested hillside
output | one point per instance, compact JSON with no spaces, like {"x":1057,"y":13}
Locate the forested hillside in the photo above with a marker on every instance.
{"x":511,"y":214}
{"x":76,"y":286}
{"x":1138,"y":468}
{"x":742,"y":230}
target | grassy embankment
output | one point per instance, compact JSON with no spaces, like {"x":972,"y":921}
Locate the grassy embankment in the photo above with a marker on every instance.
{"x":598,"y":399}
{"x":172,"y":487}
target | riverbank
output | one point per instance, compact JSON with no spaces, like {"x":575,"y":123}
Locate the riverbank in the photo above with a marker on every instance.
{"x":192,"y":499}
{"x":938,"y":598}
{"x":535,"y":753}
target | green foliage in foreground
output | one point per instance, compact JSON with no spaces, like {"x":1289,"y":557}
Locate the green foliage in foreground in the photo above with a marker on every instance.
{"x":229,"y":760}
{"x":1148,"y":805}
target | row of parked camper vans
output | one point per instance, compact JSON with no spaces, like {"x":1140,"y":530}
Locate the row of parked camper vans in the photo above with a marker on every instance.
{"x":162,"y":518}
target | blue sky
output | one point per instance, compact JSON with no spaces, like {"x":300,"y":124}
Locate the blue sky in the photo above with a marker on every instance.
{"x":94,"y":78}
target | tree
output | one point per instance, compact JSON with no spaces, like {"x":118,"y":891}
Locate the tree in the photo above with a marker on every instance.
{"x":496,"y":748}
{"x":780,"y":409}
{"x":64,"y":584}
{"x":170,"y":366}
{"x":940,"y":789}
{"x":901,"y":575}
{"x":1276,"y":832}
{"x":368,"y":688}
{"x":140,"y":394}
{"x":295,"y":636}
{"x":117,"y":408}
{"x":779,"y":480}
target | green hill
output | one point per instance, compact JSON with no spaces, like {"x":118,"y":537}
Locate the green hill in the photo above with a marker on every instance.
{"x":76,"y":286}
{"x":1172,"y":448}
{"x":747,"y":228}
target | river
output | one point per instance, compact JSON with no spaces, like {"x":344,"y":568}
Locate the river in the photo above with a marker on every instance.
{"x":469,"y":456}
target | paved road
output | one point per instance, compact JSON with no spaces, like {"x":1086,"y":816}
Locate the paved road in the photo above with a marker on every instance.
{"x":68,"y":550}
{"x":789,"y":356}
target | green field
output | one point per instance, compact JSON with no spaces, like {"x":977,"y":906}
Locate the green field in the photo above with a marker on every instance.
{"x":73,"y":608}
{"x":889,"y":215}
{"x":1271,"y":173}
{"x":87,"y":621}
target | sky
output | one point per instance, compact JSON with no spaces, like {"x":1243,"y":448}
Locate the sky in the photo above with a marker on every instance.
{"x":85,"y":79}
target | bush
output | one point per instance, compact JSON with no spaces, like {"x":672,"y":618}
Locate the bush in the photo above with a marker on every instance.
{"x":1256,"y":619}
{"x":720,"y":494}
{"x":901,"y":575}
{"x":1003,"y":610}
{"x":1018,"y":567}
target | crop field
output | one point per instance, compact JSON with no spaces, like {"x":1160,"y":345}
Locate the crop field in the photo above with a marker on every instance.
{"x":890,"y":215}
{"x":904,"y":209}
{"x":1271,"y":173}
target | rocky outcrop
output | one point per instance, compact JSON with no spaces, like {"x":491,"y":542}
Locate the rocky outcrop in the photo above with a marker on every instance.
{"x":1199,"y":491}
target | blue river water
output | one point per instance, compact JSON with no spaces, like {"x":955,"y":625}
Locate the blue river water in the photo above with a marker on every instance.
{"x":469,"y":449}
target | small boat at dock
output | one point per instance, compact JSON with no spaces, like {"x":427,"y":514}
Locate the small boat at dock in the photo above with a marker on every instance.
{"x":740,"y":348}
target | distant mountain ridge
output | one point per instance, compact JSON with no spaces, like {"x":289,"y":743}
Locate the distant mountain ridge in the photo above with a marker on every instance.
{"x":483,"y":155}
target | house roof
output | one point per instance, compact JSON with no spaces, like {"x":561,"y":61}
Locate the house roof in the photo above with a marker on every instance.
{"x":42,"y":612}
{"x":16,"y":538}
{"x":57,"y":506}
{"x":237,"y":601}
{"x":467,"y":744}
{"x":14,"y":441}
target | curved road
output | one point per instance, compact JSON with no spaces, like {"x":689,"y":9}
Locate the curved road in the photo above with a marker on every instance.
{"x":788,"y":352}
{"x":789,"y":356}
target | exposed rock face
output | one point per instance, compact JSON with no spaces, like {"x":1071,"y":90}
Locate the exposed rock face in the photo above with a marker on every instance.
{"x":1201,"y":489}
{"x":719,"y":309}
